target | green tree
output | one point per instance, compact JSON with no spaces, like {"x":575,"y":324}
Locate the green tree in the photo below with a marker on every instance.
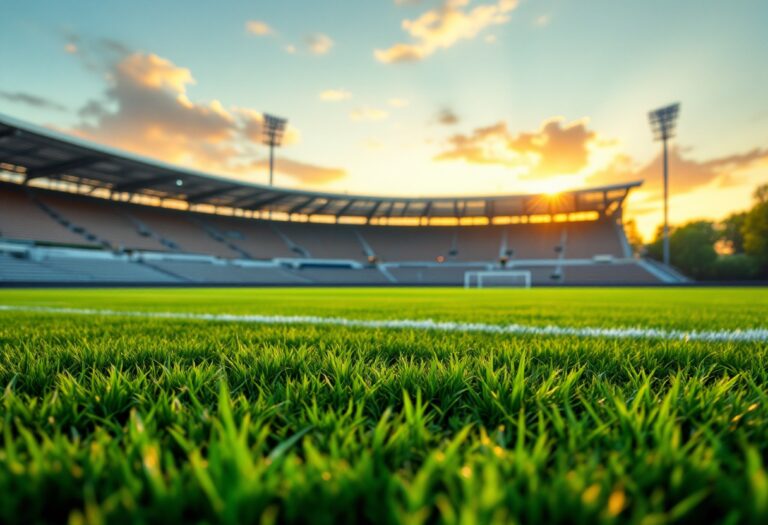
{"x":755,"y":230}
{"x":731,"y":233}
{"x":692,"y":248}
{"x":736,"y":267}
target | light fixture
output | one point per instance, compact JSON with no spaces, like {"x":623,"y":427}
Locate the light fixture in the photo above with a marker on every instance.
{"x":663,"y":122}
{"x":274,"y":127}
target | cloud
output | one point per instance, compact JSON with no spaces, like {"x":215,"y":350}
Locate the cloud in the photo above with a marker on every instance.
{"x":334,"y":95}
{"x":398,"y":102}
{"x":146,"y":109}
{"x":290,"y":49}
{"x":319,"y":44}
{"x":258,"y":28}
{"x":564,"y":154}
{"x":34,"y":101}
{"x":447,"y":117}
{"x":557,"y":148}
{"x":302,"y":171}
{"x":368,"y":114}
{"x":96,"y":54}
{"x":574,"y":150}
{"x":686,"y":174}
{"x":373,"y":144}
{"x":445,"y":26}
{"x":542,"y":20}
{"x":490,"y":39}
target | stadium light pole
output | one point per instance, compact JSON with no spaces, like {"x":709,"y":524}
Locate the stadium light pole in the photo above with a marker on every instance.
{"x":663,"y":122}
{"x":273,"y":136}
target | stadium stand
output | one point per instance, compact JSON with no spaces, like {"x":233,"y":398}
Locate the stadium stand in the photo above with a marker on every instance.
{"x":323,"y":241}
{"x":108,"y":270}
{"x":437,"y":275}
{"x":177,"y":231}
{"x":480,"y":244}
{"x":408,"y":243}
{"x":22,"y":218}
{"x":345,"y":276}
{"x":74,"y":212}
{"x":218,"y":272}
{"x":536,"y":241}
{"x":618,"y":274}
{"x":590,"y":238}
{"x":252,"y":239}
{"x":16,"y":269}
{"x":102,"y":220}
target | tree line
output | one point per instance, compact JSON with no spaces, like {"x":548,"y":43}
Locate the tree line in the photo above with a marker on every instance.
{"x":734,"y":249}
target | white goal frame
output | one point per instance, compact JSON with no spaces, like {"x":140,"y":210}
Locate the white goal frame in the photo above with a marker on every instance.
{"x":479,"y":275}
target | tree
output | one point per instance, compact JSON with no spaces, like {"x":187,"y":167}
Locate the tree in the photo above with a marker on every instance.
{"x":736,"y":267}
{"x":731,"y":233}
{"x":755,"y":230}
{"x":692,"y":248}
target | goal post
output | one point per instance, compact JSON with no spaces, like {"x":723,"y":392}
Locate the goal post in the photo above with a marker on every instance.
{"x":498,"y":279}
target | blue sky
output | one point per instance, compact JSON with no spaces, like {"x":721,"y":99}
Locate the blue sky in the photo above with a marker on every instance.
{"x":487,"y":84}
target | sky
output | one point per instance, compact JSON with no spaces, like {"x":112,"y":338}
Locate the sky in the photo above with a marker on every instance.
{"x":411,"y":97}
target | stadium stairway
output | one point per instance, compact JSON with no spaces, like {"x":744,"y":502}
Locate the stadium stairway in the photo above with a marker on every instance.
{"x":78,"y":229}
{"x":220,"y":237}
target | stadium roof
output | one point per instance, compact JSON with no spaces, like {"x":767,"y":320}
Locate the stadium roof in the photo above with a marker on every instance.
{"x":42,"y":153}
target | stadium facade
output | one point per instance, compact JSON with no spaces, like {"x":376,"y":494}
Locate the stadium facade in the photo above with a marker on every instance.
{"x":75,"y":212}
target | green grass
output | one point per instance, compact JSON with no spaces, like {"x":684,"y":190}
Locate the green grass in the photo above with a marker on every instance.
{"x":129,"y":420}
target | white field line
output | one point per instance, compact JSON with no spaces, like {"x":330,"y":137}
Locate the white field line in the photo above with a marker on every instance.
{"x":752,"y":334}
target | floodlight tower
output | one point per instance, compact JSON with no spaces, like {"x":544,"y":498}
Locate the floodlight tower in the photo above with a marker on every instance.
{"x":663,"y":122}
{"x":273,"y":136}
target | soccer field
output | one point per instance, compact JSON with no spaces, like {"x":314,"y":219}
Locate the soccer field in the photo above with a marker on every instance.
{"x":645,"y":406}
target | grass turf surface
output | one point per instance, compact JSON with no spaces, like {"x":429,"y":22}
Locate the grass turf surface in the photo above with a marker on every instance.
{"x":110,"y":419}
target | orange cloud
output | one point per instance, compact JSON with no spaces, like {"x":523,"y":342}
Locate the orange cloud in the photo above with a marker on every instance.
{"x":303,"y":171}
{"x":445,"y":26}
{"x":556,"y":148}
{"x":368,"y":114}
{"x":686,"y":174}
{"x":146,"y":110}
{"x":334,"y":95}
{"x":698,"y":189}
{"x":258,"y":28}
{"x":572,"y":155}
{"x":155,"y":72}
{"x":447,"y":117}
{"x":398,"y":102}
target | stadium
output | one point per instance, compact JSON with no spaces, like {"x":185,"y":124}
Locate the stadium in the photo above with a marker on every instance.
{"x":78,"y":213}
{"x":466,"y":283}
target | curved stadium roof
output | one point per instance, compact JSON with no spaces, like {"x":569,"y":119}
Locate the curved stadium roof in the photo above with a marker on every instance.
{"x":43,"y":153}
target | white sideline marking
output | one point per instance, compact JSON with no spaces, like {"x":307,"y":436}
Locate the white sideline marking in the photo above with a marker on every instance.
{"x":752,"y":334}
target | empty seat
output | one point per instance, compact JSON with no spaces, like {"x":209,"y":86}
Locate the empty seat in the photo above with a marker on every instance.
{"x":325,"y":241}
{"x":21,"y":218}
{"x":206,"y":272}
{"x":179,"y":228}
{"x":256,"y":238}
{"x":105,"y":219}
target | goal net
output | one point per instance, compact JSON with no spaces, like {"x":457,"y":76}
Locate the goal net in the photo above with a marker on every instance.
{"x":498,"y":279}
